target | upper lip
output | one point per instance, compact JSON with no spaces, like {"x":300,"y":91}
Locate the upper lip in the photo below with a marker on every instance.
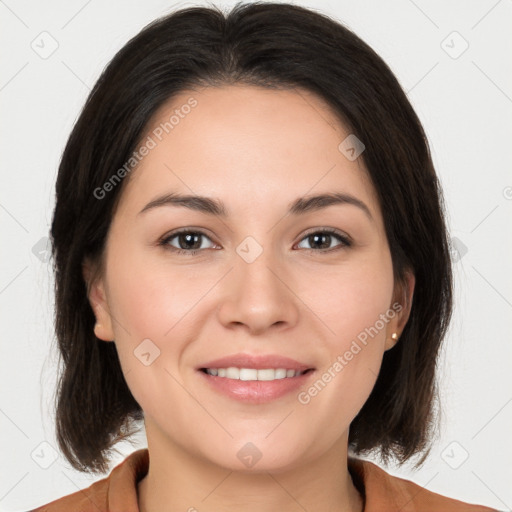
{"x":258,"y":362}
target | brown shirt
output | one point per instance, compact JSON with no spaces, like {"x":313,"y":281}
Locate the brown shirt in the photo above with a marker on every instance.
{"x":381,"y":491}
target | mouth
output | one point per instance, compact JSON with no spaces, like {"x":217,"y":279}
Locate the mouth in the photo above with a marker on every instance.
{"x":255,"y":379}
{"x":254,"y":374}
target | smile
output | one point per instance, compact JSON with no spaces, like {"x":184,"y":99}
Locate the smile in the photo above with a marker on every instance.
{"x":253,"y":374}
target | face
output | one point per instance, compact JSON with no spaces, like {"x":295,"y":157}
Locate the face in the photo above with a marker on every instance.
{"x":253,"y":272}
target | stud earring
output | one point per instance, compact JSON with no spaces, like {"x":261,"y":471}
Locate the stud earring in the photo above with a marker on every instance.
{"x":394,"y":336}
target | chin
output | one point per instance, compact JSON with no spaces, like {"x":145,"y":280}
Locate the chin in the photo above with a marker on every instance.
{"x":257,"y":456}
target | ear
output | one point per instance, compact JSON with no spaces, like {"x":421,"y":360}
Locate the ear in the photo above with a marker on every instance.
{"x":98,"y":300}
{"x":401,"y":304}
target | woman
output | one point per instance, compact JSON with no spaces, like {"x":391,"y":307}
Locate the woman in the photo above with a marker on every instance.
{"x":251,"y":256}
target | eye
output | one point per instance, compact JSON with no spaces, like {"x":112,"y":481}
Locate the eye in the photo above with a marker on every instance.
{"x":186,"y":242}
{"x":322,"y":241}
{"x":190,"y":242}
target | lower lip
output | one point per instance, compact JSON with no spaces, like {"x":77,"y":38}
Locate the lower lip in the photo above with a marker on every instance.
{"x":256,"y":391}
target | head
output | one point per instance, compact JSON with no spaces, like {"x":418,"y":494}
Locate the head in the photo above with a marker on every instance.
{"x":257,"y":111}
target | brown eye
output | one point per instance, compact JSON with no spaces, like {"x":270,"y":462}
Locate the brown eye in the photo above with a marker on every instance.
{"x":324,"y":240}
{"x":186,"y":241}
{"x":189,"y":240}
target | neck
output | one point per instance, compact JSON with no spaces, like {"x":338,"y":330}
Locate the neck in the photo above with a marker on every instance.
{"x":180,"y":480}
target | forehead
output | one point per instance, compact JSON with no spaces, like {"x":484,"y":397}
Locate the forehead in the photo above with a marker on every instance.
{"x":248,"y":146}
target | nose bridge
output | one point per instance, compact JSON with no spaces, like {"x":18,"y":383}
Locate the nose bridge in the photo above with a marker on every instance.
{"x":255,"y":281}
{"x":255,"y":276}
{"x":255,"y":296}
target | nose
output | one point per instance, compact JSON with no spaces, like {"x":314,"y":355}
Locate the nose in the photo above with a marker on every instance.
{"x":256,"y":297}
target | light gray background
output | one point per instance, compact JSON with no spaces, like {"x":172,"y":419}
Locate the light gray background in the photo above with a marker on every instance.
{"x":465,"y":104}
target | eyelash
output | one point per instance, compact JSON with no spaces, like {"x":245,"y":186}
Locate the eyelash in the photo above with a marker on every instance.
{"x":345,"y":241}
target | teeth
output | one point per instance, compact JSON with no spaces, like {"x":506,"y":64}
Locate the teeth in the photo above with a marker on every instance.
{"x":246,"y":374}
{"x":253,"y":374}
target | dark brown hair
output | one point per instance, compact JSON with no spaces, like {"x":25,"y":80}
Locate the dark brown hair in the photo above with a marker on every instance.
{"x":273,"y":46}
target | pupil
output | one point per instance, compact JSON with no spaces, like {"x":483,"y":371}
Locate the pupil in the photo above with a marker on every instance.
{"x":188,"y":239}
{"x":317,"y":239}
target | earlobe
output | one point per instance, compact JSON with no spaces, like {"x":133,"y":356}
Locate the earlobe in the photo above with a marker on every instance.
{"x":391,"y":341}
{"x":397,"y":325}
{"x":103,"y":326}
{"x":98,"y":301}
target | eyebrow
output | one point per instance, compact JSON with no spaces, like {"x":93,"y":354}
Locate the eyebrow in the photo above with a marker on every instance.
{"x":212,"y":206}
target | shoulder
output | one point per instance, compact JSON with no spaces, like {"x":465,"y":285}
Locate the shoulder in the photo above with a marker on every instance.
{"x":386,"y":493}
{"x":94,"y":498}
{"x":117,"y":492}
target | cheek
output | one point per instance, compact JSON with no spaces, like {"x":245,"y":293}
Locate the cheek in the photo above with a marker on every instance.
{"x":349,"y":299}
{"x":150,"y":305}
{"x":152,"y":299}
{"x":354,"y":303}
{"x":153,"y":317}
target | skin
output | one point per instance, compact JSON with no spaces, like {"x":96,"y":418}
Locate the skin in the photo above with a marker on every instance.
{"x":257,"y":151}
